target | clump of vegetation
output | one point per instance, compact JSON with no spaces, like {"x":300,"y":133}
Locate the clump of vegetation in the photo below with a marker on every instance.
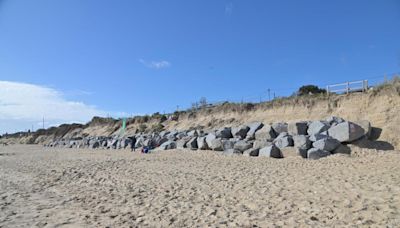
{"x":142,"y":127}
{"x":157,"y":127}
{"x":159,"y":117}
{"x":310,"y":90}
{"x":393,"y":84}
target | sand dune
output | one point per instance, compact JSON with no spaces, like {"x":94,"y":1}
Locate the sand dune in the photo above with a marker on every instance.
{"x":47,"y":187}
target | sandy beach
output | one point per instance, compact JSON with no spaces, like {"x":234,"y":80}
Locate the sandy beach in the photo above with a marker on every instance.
{"x":46,"y":187}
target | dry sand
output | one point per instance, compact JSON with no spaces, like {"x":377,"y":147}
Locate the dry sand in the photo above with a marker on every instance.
{"x":47,"y":187}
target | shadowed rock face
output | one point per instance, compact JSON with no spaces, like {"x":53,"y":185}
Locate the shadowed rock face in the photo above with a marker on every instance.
{"x":270,"y":151}
{"x":253,"y":127}
{"x":315,"y":153}
{"x":240,"y":132}
{"x":328,"y":144}
{"x":298,"y":128}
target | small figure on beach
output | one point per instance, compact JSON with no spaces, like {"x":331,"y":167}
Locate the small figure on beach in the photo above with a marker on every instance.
{"x":145,"y":150}
{"x":133,"y":143}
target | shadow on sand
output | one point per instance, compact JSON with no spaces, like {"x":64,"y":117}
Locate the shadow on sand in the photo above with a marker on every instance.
{"x":372,"y":141}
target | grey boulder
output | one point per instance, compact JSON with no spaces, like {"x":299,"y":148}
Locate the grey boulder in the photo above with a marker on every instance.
{"x":301,"y":142}
{"x":319,"y":136}
{"x":270,"y":151}
{"x":315,"y":153}
{"x":253,"y":127}
{"x":298,"y":128}
{"x":328,"y":144}
{"x":94,"y":145}
{"x":224,"y":133}
{"x":242,"y":145}
{"x":240,"y":132}
{"x":192,"y":143}
{"x":317,"y":127}
{"x":257,"y":144}
{"x":181,"y":143}
{"x":252,"y":152}
{"x":216,"y":144}
{"x":201,"y":143}
{"x":169,"y":145}
{"x":280,"y":127}
{"x":227,"y":144}
{"x":283,"y":140}
{"x":346,"y":132}
{"x":209,"y":138}
{"x":366,"y":125}
{"x":266,"y":133}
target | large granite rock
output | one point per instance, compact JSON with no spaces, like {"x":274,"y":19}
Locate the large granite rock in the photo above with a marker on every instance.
{"x":242,"y":145}
{"x":216,"y":144}
{"x":257,"y":144}
{"x":224,"y":133}
{"x":253,"y":152}
{"x":346,"y":132}
{"x":270,"y":151}
{"x":316,"y":127}
{"x":366,"y":125}
{"x":201,"y":143}
{"x":192,"y":143}
{"x":227,"y":144}
{"x":328,"y":144}
{"x":301,"y":142}
{"x":253,"y":127}
{"x":280,"y":127}
{"x":192,"y":133}
{"x":283,"y":140}
{"x":209,"y":138}
{"x":266,"y":133}
{"x":181,"y":144}
{"x":94,"y":145}
{"x":169,"y":145}
{"x":298,"y":128}
{"x":315,"y":153}
{"x":318,"y":136}
{"x":240,"y":132}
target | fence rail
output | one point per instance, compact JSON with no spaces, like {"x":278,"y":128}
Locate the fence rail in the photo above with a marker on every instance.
{"x":348,"y":87}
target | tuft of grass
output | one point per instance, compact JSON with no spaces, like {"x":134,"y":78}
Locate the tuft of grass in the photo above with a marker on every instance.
{"x":390,"y":85}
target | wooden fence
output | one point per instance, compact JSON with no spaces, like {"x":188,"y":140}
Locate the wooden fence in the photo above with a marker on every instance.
{"x":348,"y":87}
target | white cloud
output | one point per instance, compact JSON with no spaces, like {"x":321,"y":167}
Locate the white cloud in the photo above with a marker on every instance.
{"x":23,"y":105}
{"x":155,"y":64}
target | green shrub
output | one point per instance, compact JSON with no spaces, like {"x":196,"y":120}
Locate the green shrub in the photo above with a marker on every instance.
{"x":310,"y":89}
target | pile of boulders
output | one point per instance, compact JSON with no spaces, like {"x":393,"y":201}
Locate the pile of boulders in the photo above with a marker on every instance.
{"x":308,"y":139}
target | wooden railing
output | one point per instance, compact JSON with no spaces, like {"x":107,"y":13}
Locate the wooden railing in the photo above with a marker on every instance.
{"x":348,"y":87}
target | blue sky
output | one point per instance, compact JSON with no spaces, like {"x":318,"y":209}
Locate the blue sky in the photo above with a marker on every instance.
{"x":136,"y":57}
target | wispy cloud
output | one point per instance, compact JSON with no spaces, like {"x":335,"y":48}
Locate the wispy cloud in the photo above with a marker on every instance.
{"x":229,"y":9}
{"x":23,"y":105}
{"x":155,"y":64}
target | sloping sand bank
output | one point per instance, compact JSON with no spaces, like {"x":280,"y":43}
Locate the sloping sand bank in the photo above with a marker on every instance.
{"x":97,"y":188}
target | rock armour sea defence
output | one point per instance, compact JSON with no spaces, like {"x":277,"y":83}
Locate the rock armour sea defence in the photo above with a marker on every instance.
{"x":309,"y":139}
